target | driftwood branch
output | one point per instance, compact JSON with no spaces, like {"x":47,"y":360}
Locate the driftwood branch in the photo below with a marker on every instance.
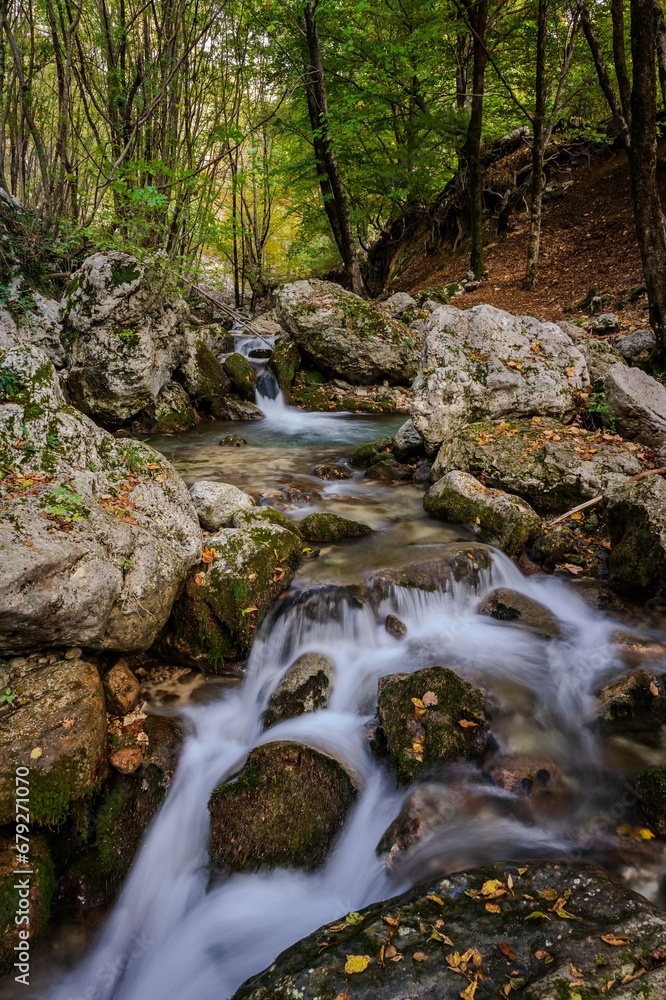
{"x":602,"y":496}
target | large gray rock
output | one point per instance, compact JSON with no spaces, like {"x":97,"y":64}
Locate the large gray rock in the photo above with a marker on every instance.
{"x":634,"y":344}
{"x":347,"y":336}
{"x":201,"y":373}
{"x":636,"y":516}
{"x":484,"y":363}
{"x":41,"y":327}
{"x":407,"y":440}
{"x":555,"y":919}
{"x":97,"y":534}
{"x":600,"y":356}
{"x":216,"y":503}
{"x":398,"y":304}
{"x":123,"y":328}
{"x":638,"y":404}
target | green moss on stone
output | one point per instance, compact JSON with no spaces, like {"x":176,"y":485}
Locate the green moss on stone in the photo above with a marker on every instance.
{"x":285,"y":362}
{"x":324,"y":527}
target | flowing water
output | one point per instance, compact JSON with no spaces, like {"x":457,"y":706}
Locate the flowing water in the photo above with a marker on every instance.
{"x":174,"y":935}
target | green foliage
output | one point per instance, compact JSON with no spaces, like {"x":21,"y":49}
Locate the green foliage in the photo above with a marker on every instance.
{"x":7,"y":698}
{"x":599,"y":406}
{"x":66,"y":506}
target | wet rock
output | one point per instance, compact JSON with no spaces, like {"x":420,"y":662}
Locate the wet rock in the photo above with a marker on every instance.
{"x":232,"y":441}
{"x":395,"y":627}
{"x":423,"y":473}
{"x":600,"y":356}
{"x":365,"y":453}
{"x":264,"y":515}
{"x":637,"y":650}
{"x":123,"y":328}
{"x":636,"y":516}
{"x":636,"y":702}
{"x":347,"y":336}
{"x":542,"y":950}
{"x":387,"y":470}
{"x":485,"y":364}
{"x":216,"y":503}
{"x":284,"y":809}
{"x":58,"y":728}
{"x":407,"y":441}
{"x":126,"y":760}
{"x":634,"y":344}
{"x":506,"y":605}
{"x":451,"y":562}
{"x":331,"y":528}
{"x":14,"y":905}
{"x":424,"y":810}
{"x":651,"y":791}
{"x":504,"y":520}
{"x":201,"y":374}
{"x":638,"y":404}
{"x":552,"y":466}
{"x":171,"y":411}
{"x":293,"y":495}
{"x":285,"y":362}
{"x":242,"y":376}
{"x":448,"y":721}
{"x":306,"y":687}
{"x":531,"y":776}
{"x":121,"y":689}
{"x":330,"y":472}
{"x":233,"y":408}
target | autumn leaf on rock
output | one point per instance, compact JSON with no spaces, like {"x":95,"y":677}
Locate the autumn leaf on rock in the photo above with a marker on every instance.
{"x":470,"y":991}
{"x":467,"y":723}
{"x":493,"y":889}
{"x":506,"y":950}
{"x":208,"y":555}
{"x":420,"y":956}
{"x":616,"y":940}
{"x":430,"y":699}
{"x":356,"y":963}
{"x":558,"y":908}
{"x":436,"y":899}
{"x":36,"y":753}
{"x":493,"y":908}
{"x":419,"y":708}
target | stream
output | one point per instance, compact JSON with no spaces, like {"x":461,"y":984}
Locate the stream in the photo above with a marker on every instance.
{"x":174,"y":935}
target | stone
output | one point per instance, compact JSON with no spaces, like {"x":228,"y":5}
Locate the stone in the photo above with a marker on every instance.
{"x":452,"y":723}
{"x":250,"y":517}
{"x":651,"y":792}
{"x":502,"y":519}
{"x":121,"y":689}
{"x":97,"y":533}
{"x":398,"y":304}
{"x":542,"y":950}
{"x":58,"y":729}
{"x":242,"y":376}
{"x":635,"y":703}
{"x":306,"y":687}
{"x":600,"y":356}
{"x":632,"y":345}
{"x":637,"y":403}
{"x":425,"y":809}
{"x":605,"y":323}
{"x":330,"y":472}
{"x":266,"y":325}
{"x":171,"y":411}
{"x":504,"y":605}
{"x":201,"y":374}
{"x":407,"y":441}
{"x":37,"y":905}
{"x":238,"y":409}
{"x":437,"y":570}
{"x":233,"y":441}
{"x":346,"y":336}
{"x":387,"y":470}
{"x":41,"y":327}
{"x":552,"y":466}
{"x":283,"y":810}
{"x":126,"y":760}
{"x":324,"y":527}
{"x":485,"y":364}
{"x":636,"y":517}
{"x":285,"y":362}
{"x":123,"y":330}
{"x":216,"y":503}
{"x":395,"y":627}
{"x":365,"y":453}
{"x":530,"y":776}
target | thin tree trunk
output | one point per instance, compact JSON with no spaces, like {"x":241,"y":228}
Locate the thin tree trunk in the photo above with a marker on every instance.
{"x":660,"y":29}
{"x":336,"y":201}
{"x":602,"y":72}
{"x":538,"y":135}
{"x":477,"y":13}
{"x":620,"y":58}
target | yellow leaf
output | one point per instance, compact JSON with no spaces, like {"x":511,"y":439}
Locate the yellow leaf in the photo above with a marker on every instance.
{"x":418,"y":703}
{"x":571,"y":372}
{"x":492,"y":886}
{"x":577,"y":516}
{"x":617,"y":940}
{"x":549,"y":894}
{"x":417,"y":746}
{"x":654,"y":690}
{"x":467,"y":723}
{"x":436,"y":899}
{"x":36,"y":753}
{"x":356,"y":963}
{"x":521,"y":871}
{"x":558,"y":908}
{"x":208,"y":555}
{"x":200,"y":579}
{"x":469,"y":992}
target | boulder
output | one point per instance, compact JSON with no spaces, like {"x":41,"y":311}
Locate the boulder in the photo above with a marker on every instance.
{"x":306,"y":687}
{"x":171,"y":410}
{"x":551,"y":465}
{"x":632,"y":345}
{"x":57,"y":727}
{"x":445,"y":722}
{"x":485,"y":364}
{"x":600,"y":356}
{"x":637,"y":403}
{"x":502,"y":519}
{"x":123,"y":330}
{"x":398,"y":304}
{"x":285,"y":362}
{"x":407,"y":440}
{"x":636,"y":516}
{"x":388,"y":470}
{"x":201,"y":374}
{"x":97,"y":534}
{"x":41,"y":327}
{"x":216,"y":503}
{"x":121,"y":689}
{"x":15,"y":905}
{"x":324,"y":527}
{"x":242,"y":376}
{"x":605,"y":323}
{"x":635,"y":703}
{"x":651,"y":791}
{"x":284,"y":809}
{"x":249,"y":517}
{"x":345,"y":335}
{"x":329,"y":472}
{"x":395,"y":627}
{"x":365,"y":453}
{"x":504,"y":605}
{"x":449,"y":563}
{"x":442,"y":939}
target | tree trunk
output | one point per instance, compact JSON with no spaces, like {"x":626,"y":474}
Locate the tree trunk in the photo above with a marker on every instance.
{"x":336,"y":201}
{"x":620,"y":58}
{"x":477,"y":13}
{"x":538,"y":148}
{"x":661,"y":47}
{"x":650,"y":222}
{"x":602,"y":72}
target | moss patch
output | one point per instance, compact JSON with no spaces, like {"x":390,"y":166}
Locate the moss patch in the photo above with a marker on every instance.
{"x":325,"y":527}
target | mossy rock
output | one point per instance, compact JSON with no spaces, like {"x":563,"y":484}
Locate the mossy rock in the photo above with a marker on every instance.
{"x":325,"y":527}
{"x":504,"y":605}
{"x":264,"y":515}
{"x":437,"y":570}
{"x":22,"y":895}
{"x":387,"y":469}
{"x":242,"y":376}
{"x":448,"y":723}
{"x":636,"y":516}
{"x":363,"y":456}
{"x":285,"y":362}
{"x":58,"y":728}
{"x":635,"y":703}
{"x":651,"y":791}
{"x":306,"y":687}
{"x":194,"y":636}
{"x":284,"y":809}
{"x":204,"y":380}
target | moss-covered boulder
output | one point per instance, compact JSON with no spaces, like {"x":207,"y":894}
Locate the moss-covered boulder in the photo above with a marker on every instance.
{"x":285,"y":362}
{"x":216,"y":503}
{"x":651,"y":792}
{"x":256,"y":516}
{"x":171,"y":410}
{"x":57,"y":727}
{"x":202,"y":376}
{"x":504,"y":605}
{"x":242,"y":376}
{"x":635,"y":703}
{"x":306,"y":687}
{"x":284,"y":809}
{"x":438,"y":568}
{"x":25,"y":902}
{"x":430,"y":717}
{"x":346,"y":336}
{"x":636,"y":516}
{"x":502,"y":519}
{"x":363,"y":456}
{"x":550,"y":925}
{"x":324,"y":527}
{"x":388,"y":470}
{"x":553,"y":466}
{"x":194,"y":635}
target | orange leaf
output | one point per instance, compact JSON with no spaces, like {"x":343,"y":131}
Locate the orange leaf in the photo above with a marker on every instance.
{"x":617,"y":940}
{"x":208,"y":555}
{"x":506,"y":950}
{"x":467,"y":724}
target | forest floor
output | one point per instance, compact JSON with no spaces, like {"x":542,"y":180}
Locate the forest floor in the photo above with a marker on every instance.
{"x":588,"y":241}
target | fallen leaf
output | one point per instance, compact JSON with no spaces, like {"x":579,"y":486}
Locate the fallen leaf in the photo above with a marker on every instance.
{"x":436,"y":899}
{"x":635,"y":832}
{"x":392,"y":921}
{"x":493,"y":908}
{"x":469,"y":992}
{"x":417,"y":746}
{"x":550,"y":894}
{"x":558,"y":908}
{"x":420,"y":956}
{"x":467,"y":723}
{"x":577,"y":516}
{"x":506,"y":950}
{"x":200,"y":579}
{"x":36,"y":753}
{"x":570,"y":372}
{"x":654,"y":690}
{"x":574,"y":570}
{"x":616,"y":940}
{"x":537,"y":915}
{"x":356,"y":963}
{"x":543,"y":956}
{"x":575,"y":972}
{"x":430,"y":699}
{"x":67,"y":723}
{"x":391,"y":951}
{"x":208,"y":555}
{"x":493,"y":889}
{"x":521,"y":871}
{"x":343,"y":996}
